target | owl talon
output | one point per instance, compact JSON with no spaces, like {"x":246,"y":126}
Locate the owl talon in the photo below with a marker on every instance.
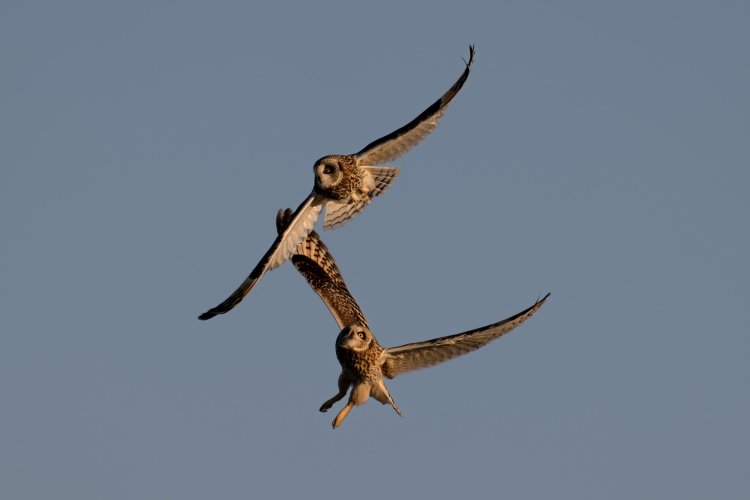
{"x":343,"y":386}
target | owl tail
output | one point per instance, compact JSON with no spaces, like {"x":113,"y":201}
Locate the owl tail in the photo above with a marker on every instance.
{"x":383,"y":176}
{"x":380,"y":392}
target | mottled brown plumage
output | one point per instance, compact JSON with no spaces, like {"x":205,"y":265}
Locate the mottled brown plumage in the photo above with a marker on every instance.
{"x":344,"y":185}
{"x":314,"y":261}
{"x":364,"y":362}
{"x":345,"y":179}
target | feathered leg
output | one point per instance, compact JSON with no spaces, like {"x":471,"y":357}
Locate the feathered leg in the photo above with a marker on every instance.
{"x":343,"y":387}
{"x":359,"y":395}
{"x":342,"y":414}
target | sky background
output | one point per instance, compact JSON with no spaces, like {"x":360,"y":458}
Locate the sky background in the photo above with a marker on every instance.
{"x":598,"y":151}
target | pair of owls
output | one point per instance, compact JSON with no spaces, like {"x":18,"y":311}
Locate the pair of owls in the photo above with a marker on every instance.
{"x":344,"y":185}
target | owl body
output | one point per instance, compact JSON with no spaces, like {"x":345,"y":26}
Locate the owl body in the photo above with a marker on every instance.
{"x":344,"y":186}
{"x":364,"y":362}
{"x":361,"y":358}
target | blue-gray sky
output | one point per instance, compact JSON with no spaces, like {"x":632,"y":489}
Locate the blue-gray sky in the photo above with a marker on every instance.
{"x":599,"y":151}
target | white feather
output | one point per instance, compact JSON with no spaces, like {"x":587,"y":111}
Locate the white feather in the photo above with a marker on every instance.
{"x":295,"y":233}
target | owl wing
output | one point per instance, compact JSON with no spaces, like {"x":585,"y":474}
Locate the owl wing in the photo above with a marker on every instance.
{"x":300,"y":224}
{"x":313,"y":260}
{"x":338,"y":213}
{"x":402,"y":140}
{"x":405,"y":358}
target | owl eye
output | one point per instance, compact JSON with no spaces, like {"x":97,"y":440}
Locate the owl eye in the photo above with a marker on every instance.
{"x":362,"y":335}
{"x":328,"y":169}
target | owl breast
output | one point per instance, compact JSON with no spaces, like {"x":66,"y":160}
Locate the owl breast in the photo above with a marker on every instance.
{"x":362,"y":365}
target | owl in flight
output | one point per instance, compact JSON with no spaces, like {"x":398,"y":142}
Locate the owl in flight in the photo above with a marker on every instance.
{"x":364,"y":362}
{"x":345,"y":184}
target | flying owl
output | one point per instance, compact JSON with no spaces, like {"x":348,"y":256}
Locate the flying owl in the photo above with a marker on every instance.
{"x":364,"y":362}
{"x":344,"y":185}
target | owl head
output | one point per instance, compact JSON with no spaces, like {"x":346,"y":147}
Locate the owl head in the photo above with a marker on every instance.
{"x":328,"y":172}
{"x":355,"y":338}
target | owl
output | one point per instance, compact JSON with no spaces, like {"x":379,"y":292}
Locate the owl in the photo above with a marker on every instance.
{"x":344,"y":185}
{"x":364,"y":362}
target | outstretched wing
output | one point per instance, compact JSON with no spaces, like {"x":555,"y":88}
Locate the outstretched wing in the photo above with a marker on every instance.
{"x":300,"y":224}
{"x":419,"y":355}
{"x":313,"y":260}
{"x":402,"y":140}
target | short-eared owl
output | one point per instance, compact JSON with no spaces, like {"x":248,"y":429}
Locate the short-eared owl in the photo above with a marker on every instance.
{"x":345,"y":184}
{"x":363,"y":361}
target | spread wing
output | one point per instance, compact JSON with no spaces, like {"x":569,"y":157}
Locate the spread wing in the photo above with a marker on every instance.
{"x":419,"y":355}
{"x":313,"y":260}
{"x":300,"y":224}
{"x":402,"y":140}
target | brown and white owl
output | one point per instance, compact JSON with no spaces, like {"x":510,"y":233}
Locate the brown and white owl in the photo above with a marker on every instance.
{"x":344,"y":185}
{"x":364,"y":362}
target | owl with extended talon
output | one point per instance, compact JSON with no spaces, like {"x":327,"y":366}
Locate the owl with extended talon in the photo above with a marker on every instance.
{"x":364,"y":362}
{"x":344,"y":185}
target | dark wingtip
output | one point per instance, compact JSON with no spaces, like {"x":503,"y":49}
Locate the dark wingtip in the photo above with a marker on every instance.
{"x":541,"y":301}
{"x":206,"y":315}
{"x":471,"y":57}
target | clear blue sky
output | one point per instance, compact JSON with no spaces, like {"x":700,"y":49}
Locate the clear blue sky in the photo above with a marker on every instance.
{"x":599,"y":151}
